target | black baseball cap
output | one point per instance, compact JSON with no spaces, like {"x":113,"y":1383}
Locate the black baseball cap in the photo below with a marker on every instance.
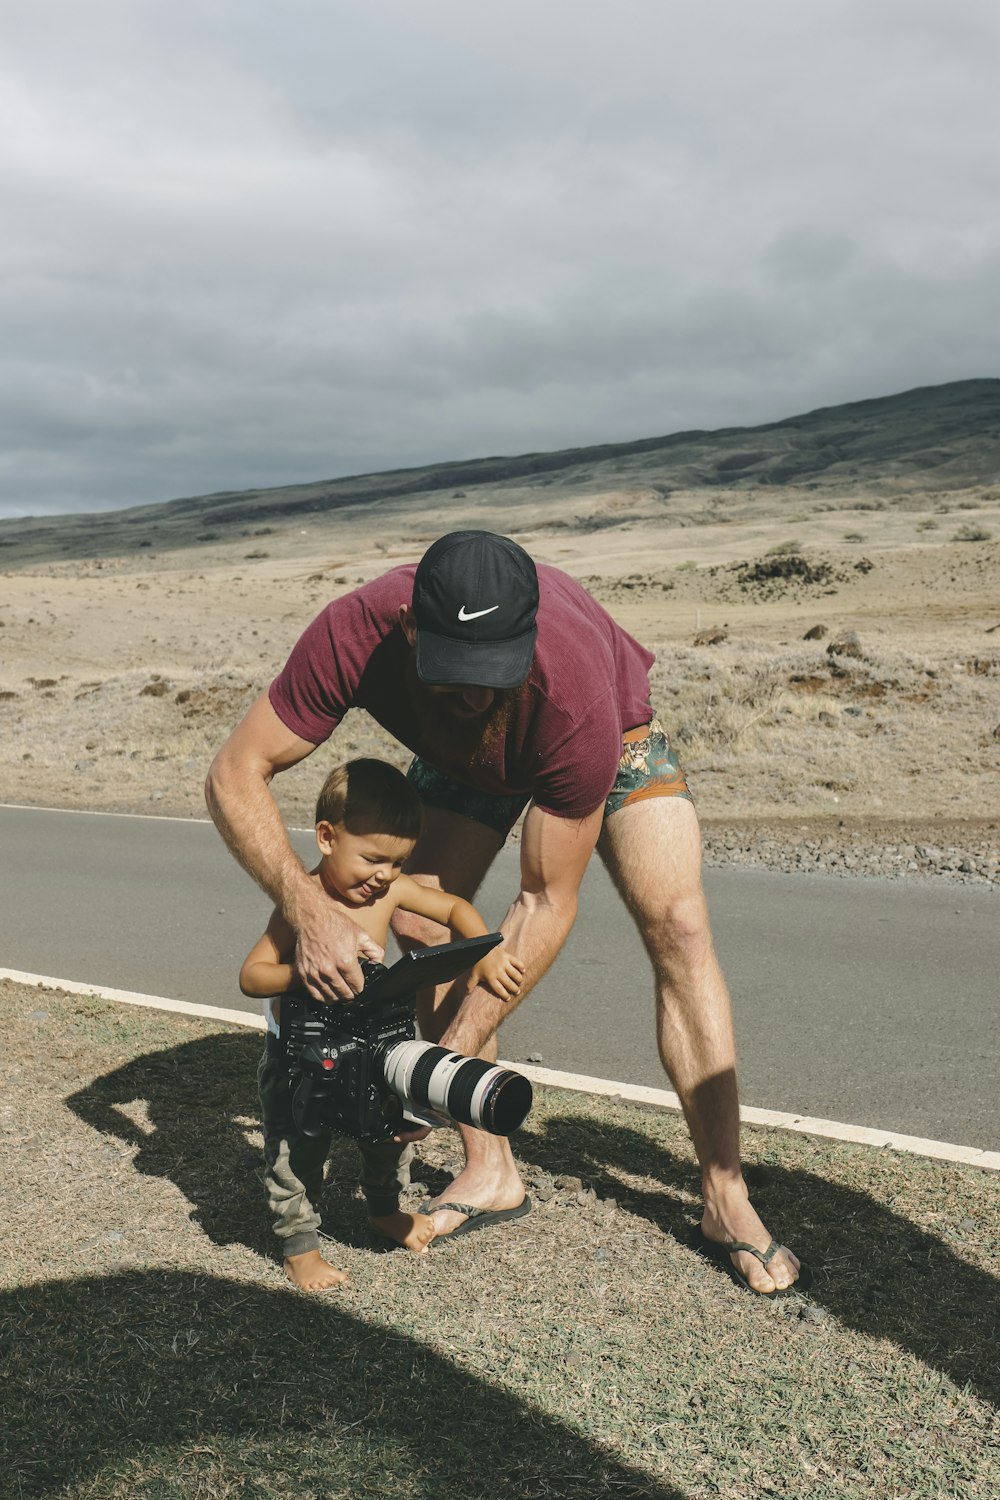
{"x":475,"y":596}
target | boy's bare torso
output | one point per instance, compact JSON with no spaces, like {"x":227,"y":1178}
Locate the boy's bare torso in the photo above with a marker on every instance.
{"x":372,"y":916}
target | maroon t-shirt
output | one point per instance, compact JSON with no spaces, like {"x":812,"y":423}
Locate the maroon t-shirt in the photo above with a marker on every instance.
{"x":589,"y":682}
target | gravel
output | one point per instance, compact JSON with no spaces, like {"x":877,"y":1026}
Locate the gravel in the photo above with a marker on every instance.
{"x":974,"y":860}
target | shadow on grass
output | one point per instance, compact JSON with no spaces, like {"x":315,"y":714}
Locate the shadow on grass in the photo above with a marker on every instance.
{"x":875,"y":1271}
{"x":158,"y":1383}
{"x":196,"y":1094}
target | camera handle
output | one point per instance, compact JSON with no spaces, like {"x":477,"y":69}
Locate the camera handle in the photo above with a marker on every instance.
{"x":306,"y":1121}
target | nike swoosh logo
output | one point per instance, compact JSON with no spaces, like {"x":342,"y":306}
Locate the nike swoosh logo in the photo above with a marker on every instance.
{"x":476,"y":613}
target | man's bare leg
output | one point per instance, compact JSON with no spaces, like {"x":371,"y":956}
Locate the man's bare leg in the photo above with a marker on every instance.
{"x":653,"y":853}
{"x":490,"y":1178}
{"x":454,"y":853}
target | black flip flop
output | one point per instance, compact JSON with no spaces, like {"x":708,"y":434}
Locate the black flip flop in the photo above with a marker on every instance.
{"x":477,"y":1218}
{"x":719,"y":1253}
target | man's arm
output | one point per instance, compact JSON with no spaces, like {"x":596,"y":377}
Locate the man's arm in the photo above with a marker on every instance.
{"x":244,"y":811}
{"x":554,"y":855}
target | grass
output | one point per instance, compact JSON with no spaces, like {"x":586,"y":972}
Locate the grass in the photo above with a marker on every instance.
{"x":971,"y":532}
{"x":153,"y":1348}
{"x":748,"y":723}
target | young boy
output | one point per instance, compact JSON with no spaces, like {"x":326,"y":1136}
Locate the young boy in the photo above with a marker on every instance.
{"x":368,"y":818}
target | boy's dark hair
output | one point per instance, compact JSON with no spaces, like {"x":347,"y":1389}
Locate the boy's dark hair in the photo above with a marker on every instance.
{"x":370,"y":796}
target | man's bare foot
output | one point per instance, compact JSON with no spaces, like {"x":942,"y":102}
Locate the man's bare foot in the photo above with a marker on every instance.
{"x":729,"y":1215}
{"x":311,"y":1273}
{"x":413,"y":1231}
{"x":491,"y":1190}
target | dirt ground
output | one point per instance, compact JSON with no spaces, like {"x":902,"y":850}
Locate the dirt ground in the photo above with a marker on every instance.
{"x":873,"y":744}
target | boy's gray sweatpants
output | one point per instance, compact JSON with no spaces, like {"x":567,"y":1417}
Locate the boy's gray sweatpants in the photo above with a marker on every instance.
{"x":294,"y":1163}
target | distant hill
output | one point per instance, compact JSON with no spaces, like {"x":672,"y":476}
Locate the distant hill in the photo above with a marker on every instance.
{"x":934,"y":439}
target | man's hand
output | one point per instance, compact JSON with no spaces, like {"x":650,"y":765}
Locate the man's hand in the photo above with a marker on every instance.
{"x":246,"y":814}
{"x":328,"y":949}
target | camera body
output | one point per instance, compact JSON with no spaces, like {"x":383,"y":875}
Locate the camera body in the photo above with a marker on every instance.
{"x":356,"y":1067}
{"x":334,"y":1055}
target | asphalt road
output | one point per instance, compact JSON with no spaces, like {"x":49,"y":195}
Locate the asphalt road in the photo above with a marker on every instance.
{"x":868,"y":1001}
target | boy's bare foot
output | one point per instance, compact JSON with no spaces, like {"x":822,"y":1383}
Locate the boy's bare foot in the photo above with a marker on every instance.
{"x":311,"y":1273}
{"x":413,"y":1231}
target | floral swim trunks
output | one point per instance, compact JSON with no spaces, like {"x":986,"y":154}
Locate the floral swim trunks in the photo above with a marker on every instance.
{"x":649,"y":767}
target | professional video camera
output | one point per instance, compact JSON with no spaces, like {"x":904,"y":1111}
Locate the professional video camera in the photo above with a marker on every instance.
{"x":357,"y":1068}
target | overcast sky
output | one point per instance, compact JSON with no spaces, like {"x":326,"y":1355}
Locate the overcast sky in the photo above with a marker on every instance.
{"x":248,"y":244}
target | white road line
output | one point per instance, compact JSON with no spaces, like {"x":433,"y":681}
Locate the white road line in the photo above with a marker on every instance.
{"x":129,"y":997}
{"x":100,"y":812}
{"x":95,"y":812}
{"x":861,"y":1135}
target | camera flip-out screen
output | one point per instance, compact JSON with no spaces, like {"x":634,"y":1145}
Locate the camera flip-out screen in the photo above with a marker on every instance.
{"x":427,"y":966}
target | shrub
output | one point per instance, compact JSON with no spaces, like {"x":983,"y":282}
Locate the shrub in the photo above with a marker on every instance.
{"x":971,"y":533}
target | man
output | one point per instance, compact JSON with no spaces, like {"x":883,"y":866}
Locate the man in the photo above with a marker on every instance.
{"x":512,"y":687}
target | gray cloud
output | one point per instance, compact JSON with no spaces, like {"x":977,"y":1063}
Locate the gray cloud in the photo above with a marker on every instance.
{"x":248,"y":246}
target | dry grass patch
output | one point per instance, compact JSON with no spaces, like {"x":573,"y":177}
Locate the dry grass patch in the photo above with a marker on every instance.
{"x":153,"y":1348}
{"x":763,"y":728}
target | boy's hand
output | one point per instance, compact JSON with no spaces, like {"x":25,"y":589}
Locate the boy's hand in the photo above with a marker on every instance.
{"x":500,"y":973}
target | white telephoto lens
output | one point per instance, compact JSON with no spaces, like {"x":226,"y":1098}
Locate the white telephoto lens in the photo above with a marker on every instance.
{"x":445,"y":1072}
{"x":466,"y":1089}
{"x":486,"y":1083}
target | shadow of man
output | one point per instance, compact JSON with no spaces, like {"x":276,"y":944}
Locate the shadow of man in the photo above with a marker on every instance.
{"x":169,"y":1382}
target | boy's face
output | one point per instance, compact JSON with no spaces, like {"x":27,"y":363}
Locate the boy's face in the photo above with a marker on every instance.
{"x":360,"y":867}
